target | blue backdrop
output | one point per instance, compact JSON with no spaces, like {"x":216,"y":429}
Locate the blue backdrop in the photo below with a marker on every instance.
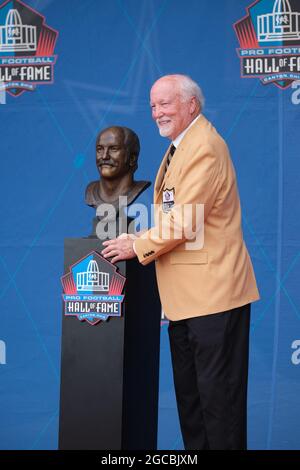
{"x":109,"y":54}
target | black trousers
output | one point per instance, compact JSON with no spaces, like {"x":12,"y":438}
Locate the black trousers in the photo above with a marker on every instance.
{"x":210,"y":368}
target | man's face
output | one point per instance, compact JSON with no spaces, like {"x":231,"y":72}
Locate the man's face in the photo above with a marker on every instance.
{"x":171,"y":113}
{"x":112,"y":157}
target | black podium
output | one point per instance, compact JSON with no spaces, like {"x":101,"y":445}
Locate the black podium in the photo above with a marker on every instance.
{"x":110,"y":371}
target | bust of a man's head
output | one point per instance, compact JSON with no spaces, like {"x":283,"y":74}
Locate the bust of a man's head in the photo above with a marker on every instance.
{"x":117,"y":151}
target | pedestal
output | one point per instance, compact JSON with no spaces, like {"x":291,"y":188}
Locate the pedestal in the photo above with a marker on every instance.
{"x":110,"y":371}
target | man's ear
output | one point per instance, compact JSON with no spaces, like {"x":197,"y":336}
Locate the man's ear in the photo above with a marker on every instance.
{"x":193,"y":105}
{"x":132,"y":160}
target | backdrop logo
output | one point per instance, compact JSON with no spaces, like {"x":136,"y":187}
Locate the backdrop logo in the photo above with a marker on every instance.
{"x":26,"y":48}
{"x":93,"y":289}
{"x":269,"y":37}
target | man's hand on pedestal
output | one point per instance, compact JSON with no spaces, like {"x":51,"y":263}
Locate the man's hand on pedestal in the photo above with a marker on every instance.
{"x":120,"y":248}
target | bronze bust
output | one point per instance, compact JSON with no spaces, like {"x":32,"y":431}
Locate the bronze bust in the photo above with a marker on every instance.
{"x":117,"y":151}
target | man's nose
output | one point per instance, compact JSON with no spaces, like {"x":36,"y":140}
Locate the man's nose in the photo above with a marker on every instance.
{"x":105,"y":155}
{"x":157,"y":112}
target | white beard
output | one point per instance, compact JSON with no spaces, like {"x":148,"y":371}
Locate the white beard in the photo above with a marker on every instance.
{"x":165,"y":130}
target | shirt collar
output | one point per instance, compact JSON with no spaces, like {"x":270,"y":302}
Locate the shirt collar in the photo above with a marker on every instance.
{"x":179,"y":138}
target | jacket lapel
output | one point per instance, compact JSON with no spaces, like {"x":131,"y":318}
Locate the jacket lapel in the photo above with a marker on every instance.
{"x":193,"y":132}
{"x":160,"y":175}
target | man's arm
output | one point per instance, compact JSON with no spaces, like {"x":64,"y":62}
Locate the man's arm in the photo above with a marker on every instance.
{"x":198,"y":183}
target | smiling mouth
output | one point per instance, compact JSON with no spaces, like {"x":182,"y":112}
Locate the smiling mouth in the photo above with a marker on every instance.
{"x":163,"y":123}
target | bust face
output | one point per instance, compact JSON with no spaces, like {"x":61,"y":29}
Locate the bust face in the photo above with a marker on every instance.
{"x":112,"y":156}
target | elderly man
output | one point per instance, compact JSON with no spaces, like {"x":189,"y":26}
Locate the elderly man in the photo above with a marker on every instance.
{"x":205,"y":292}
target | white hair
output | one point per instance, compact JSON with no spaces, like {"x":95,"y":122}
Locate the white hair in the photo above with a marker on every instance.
{"x":189,"y":88}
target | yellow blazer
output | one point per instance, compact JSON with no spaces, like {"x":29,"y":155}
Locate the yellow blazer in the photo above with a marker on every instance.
{"x":217,"y":276}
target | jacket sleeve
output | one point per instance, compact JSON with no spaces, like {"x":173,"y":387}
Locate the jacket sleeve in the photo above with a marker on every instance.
{"x":197,"y":183}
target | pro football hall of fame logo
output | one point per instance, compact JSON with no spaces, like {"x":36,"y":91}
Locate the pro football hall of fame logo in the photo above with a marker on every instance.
{"x":269,"y":37}
{"x":26,"y":48}
{"x":93,"y":289}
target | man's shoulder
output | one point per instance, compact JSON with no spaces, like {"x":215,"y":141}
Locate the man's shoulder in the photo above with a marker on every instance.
{"x":209,"y":136}
{"x":92,"y":194}
{"x":203,"y":136}
{"x":92,"y":184}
